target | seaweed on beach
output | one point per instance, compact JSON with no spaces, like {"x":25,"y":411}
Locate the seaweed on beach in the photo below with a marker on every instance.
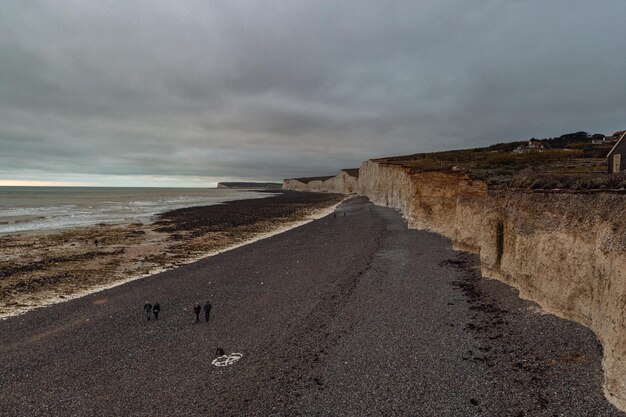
{"x":216,"y":218}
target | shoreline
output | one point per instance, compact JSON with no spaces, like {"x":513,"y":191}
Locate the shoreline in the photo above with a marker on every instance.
{"x":260,"y":229}
{"x":143,"y":220}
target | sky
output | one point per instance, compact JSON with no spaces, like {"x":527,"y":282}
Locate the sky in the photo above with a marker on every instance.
{"x":187,"y":93}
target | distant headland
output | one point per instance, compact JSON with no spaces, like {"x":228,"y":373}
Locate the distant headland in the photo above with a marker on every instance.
{"x":249,"y":185}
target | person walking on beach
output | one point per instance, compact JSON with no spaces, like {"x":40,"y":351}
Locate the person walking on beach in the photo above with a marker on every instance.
{"x":197,"y":310}
{"x":207,"y":311}
{"x":156,"y":310}
{"x":148,"y":309}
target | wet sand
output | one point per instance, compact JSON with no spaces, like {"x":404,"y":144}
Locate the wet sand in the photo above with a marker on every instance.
{"x":41,"y":268}
{"x":347,"y":315}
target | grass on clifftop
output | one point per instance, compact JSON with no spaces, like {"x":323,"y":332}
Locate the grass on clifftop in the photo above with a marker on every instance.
{"x":483,"y":164}
{"x":568,"y":162}
{"x":576,"y":161}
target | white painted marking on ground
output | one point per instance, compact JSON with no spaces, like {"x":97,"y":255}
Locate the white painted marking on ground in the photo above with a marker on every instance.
{"x":226,"y":360}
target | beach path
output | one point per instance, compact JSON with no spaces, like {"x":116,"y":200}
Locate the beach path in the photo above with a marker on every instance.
{"x":352,"y":314}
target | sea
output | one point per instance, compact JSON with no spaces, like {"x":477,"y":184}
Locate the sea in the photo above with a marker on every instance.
{"x":33,"y":209}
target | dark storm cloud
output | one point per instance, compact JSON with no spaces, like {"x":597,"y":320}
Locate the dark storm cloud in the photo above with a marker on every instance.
{"x":252,"y":89}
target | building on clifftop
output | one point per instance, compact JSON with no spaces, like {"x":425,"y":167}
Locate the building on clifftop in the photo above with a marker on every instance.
{"x":615,"y":158}
{"x":533,"y":146}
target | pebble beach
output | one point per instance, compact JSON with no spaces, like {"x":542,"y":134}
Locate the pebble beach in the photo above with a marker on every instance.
{"x":351,"y":314}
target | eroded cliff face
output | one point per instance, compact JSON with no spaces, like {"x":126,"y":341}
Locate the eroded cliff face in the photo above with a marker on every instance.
{"x":311,"y":186}
{"x":444,"y":203}
{"x":342,"y":183}
{"x":566,"y":251}
{"x":345,"y":183}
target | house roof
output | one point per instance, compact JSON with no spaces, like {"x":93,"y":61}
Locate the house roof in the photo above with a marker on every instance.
{"x":616,"y":144}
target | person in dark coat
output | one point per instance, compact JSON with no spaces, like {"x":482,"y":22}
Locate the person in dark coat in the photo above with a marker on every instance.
{"x":207,"y":310}
{"x":197,"y":309}
{"x":148,"y":309}
{"x":156,"y":310}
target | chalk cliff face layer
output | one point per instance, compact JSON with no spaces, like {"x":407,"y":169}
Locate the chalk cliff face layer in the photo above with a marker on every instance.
{"x":345,"y":182}
{"x":295,"y":184}
{"x":566,"y":251}
{"x":442,"y":202}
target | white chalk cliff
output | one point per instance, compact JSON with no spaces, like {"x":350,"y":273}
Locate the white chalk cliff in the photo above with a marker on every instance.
{"x":564,"y":250}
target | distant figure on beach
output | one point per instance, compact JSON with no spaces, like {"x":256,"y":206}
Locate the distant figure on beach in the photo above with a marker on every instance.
{"x":335,"y":215}
{"x":156,"y":310}
{"x":197,"y":309}
{"x":207,"y":310}
{"x":148,"y":309}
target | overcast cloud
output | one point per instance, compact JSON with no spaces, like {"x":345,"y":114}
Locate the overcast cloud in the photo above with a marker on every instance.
{"x":189,"y":92}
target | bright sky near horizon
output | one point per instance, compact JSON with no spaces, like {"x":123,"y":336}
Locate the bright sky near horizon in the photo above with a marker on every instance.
{"x":188,"y":93}
{"x":31,"y":183}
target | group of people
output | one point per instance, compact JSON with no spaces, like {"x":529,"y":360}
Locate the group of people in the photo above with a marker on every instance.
{"x":206,"y":309}
{"x":152,"y":309}
{"x":155,"y":309}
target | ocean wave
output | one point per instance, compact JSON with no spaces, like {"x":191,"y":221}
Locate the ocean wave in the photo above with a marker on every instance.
{"x":94,"y":208}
